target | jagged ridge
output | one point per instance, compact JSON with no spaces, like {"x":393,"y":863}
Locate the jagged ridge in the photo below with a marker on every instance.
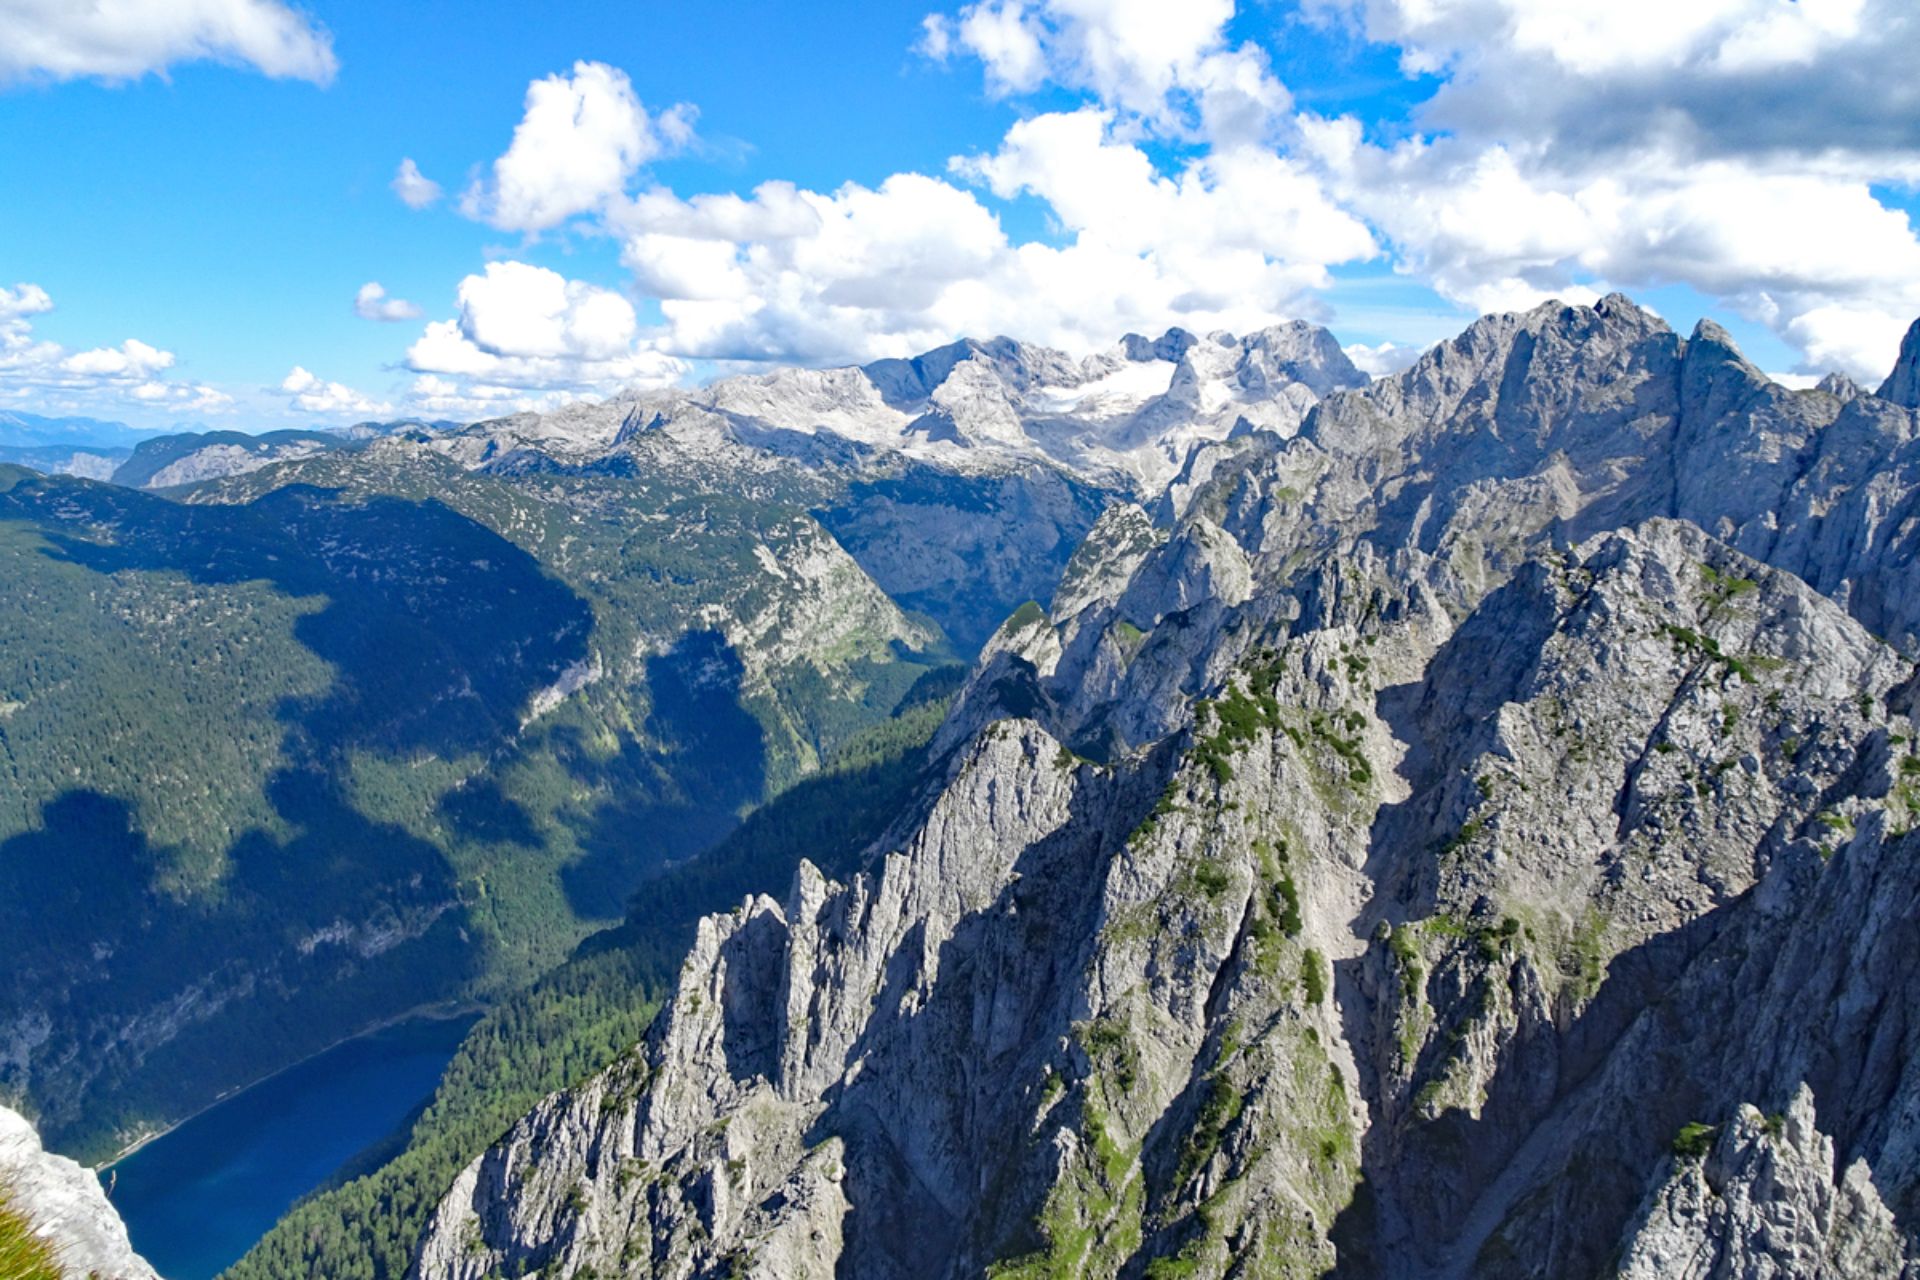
{"x":1351,"y":876}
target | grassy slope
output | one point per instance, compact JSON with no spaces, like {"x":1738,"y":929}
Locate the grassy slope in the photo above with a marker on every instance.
{"x":23,"y":1255}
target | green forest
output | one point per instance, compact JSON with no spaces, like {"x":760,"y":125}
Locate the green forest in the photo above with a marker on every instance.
{"x":278,"y":760}
{"x":596,"y":1006}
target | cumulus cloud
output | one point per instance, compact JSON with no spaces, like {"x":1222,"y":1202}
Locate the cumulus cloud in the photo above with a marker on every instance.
{"x":372,"y":303}
{"x":1168,"y":65}
{"x":312,"y":395}
{"x":132,"y":358}
{"x":1797,"y":381}
{"x":1230,"y":200}
{"x":1382,"y":358}
{"x":45,"y":375}
{"x":21,"y":301}
{"x":1566,"y":150}
{"x":126,"y":39}
{"x":1711,"y":78}
{"x":580,"y":141}
{"x":1234,"y":235}
{"x":528,"y":328}
{"x":515,"y":310}
{"x":1730,"y":145}
{"x":1232,"y":239}
{"x":415,"y":189}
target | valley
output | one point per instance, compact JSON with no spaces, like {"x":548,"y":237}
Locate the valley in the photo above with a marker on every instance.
{"x":1263,"y":837}
{"x":993,"y":640}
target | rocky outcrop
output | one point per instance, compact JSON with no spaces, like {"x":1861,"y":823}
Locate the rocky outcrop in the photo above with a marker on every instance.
{"x":1903,"y":384}
{"x":1096,"y":1017}
{"x":63,"y":1204}
{"x":1390,"y":863}
{"x":1764,"y":1200}
{"x":169,"y":461}
{"x":708,"y":1148}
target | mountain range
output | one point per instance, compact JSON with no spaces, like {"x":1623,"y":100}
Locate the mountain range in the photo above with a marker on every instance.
{"x":1212,"y":813}
{"x":450,"y":693}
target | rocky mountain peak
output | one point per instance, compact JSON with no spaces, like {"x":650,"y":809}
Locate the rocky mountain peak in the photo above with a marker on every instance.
{"x":1460,"y":837}
{"x":1170,"y":346}
{"x":1903,"y":384}
{"x":1714,"y":374}
{"x":1840,"y":386}
{"x":1516,"y":384}
{"x":1764,"y":1198}
{"x":1712,"y":334}
{"x":905,"y":383}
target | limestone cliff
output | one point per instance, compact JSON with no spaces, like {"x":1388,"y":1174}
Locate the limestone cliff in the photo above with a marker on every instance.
{"x":63,"y":1204}
{"x":1397,"y":861}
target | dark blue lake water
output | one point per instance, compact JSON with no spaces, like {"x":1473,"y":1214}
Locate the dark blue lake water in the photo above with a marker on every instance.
{"x":197,"y":1198}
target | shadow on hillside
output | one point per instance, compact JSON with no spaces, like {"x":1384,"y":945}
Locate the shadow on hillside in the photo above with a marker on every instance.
{"x":284,"y":952}
{"x":438,"y":632}
{"x":1431,"y":1182}
{"x":438,"y":629}
{"x":1002,"y":1014}
{"x":710,"y":765}
{"x":1459,"y":1158}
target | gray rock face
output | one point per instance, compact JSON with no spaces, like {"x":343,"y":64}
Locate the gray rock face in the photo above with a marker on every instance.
{"x":93,"y":464}
{"x":1370,"y":868}
{"x":1765,"y":1202}
{"x":65,"y":1206}
{"x":962,"y":479}
{"x":1136,"y":410}
{"x":1903,"y":384}
{"x":168,"y":461}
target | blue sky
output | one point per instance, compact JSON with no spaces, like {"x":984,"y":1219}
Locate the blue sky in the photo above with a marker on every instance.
{"x":223,"y":210}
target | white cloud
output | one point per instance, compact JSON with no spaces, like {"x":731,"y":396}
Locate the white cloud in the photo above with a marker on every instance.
{"x":126,"y":39}
{"x":1834,"y":272}
{"x":47,"y":377}
{"x":432,"y":396}
{"x":1234,"y":235}
{"x":1729,"y":145}
{"x":1568,"y":149}
{"x":1239,"y":198}
{"x":580,"y":141}
{"x":1170,"y":66}
{"x":936,"y":37}
{"x":1797,"y":381}
{"x":518,"y":310}
{"x":531,"y":329}
{"x":1233,"y":239}
{"x":1710,"y":77}
{"x":415,"y":189}
{"x":131,"y":359}
{"x":312,"y":395}
{"x":1468,"y":221}
{"x":1861,"y":341}
{"x":23,"y":300}
{"x":372,"y":303}
{"x":1007,"y":40}
{"x":1382,"y":358}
